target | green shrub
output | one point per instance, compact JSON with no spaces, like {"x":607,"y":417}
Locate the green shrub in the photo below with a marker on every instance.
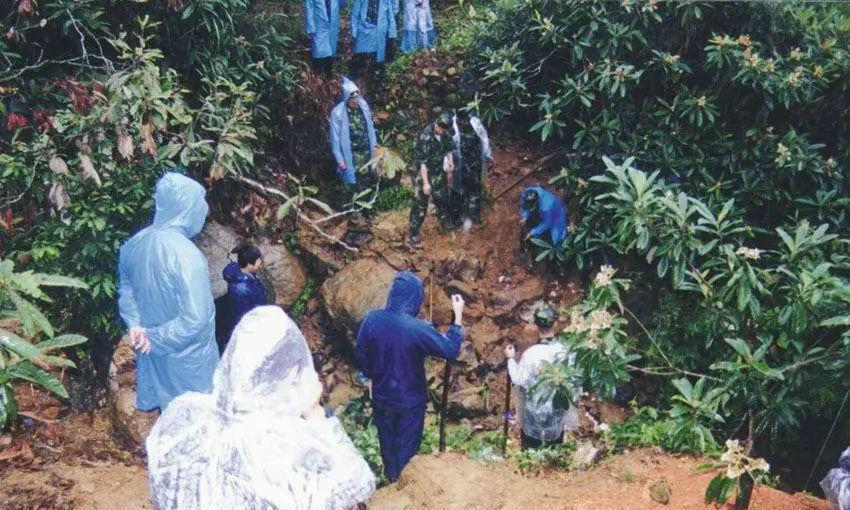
{"x":27,"y":357}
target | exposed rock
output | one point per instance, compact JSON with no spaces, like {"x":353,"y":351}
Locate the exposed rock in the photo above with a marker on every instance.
{"x":660,"y":492}
{"x":283,"y":273}
{"x":443,"y":314}
{"x":355,"y":290}
{"x":391,"y":226}
{"x":508,"y":298}
{"x":319,"y":258}
{"x":585,"y":455}
{"x":463,"y":267}
{"x":459,"y":287}
{"x":128,"y":423}
{"x":467,"y":402}
{"x":216,"y":242}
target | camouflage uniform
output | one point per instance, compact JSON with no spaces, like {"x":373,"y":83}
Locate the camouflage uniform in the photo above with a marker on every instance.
{"x":469,"y":155}
{"x":360,"y":152}
{"x":430,"y":151}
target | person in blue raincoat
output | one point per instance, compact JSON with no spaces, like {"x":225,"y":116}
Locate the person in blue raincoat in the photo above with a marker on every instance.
{"x":164,"y":297}
{"x":391,"y":348}
{"x":543,"y":216}
{"x":321,"y":18}
{"x":373,"y":31}
{"x":417,"y":29}
{"x":352,"y":133}
{"x":244,"y":289}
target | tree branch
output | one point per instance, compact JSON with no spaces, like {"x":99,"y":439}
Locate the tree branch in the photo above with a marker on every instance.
{"x":313,"y":224}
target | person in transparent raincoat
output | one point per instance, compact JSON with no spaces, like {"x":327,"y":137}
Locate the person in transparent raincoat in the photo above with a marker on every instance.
{"x":836,"y":484}
{"x":165,"y":299}
{"x":542,"y":422}
{"x":260,"y":440}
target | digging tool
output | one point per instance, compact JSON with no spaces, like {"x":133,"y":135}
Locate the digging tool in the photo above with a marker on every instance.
{"x":507,"y":412}
{"x":540,"y":165}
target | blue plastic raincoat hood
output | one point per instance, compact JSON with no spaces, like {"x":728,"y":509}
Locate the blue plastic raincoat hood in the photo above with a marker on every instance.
{"x":405,"y":294}
{"x":180,"y":204}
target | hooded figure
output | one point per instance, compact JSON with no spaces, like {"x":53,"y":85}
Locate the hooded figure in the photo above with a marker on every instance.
{"x":372,"y":23}
{"x":244,"y":292}
{"x":836,"y":484}
{"x":322,"y":22}
{"x":417,"y":32}
{"x":164,"y":288}
{"x":548,"y":214}
{"x":341,"y":135}
{"x":391,"y":348}
{"x":260,"y":440}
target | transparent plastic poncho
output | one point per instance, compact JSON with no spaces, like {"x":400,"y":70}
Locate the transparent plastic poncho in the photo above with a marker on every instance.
{"x":539,"y":417}
{"x":247,"y":445}
{"x":836,"y":484}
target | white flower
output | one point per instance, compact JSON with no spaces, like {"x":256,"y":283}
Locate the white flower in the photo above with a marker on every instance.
{"x":600,"y":320}
{"x":603,"y":277}
{"x":748,"y":253}
{"x":577,"y":323}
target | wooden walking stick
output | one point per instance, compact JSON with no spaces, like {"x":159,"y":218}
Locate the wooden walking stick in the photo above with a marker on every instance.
{"x":447,"y":371}
{"x":507,"y":412}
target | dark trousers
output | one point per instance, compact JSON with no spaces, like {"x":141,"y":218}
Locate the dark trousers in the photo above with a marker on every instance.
{"x":530,"y":443}
{"x":323,"y":66}
{"x":400,"y":433}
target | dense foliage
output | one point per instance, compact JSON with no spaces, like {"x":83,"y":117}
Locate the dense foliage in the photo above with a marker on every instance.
{"x":739,"y":114}
{"x":99,"y":98}
{"x":27,"y":337}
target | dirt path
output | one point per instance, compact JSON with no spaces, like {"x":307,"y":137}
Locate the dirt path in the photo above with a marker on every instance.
{"x":453,"y":482}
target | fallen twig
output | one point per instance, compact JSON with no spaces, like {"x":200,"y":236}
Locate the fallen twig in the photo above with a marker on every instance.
{"x":313,"y":224}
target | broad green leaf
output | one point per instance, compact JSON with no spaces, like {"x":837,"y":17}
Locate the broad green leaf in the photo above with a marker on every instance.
{"x":29,"y":372}
{"x":61,"y":342}
{"x":740,"y":347}
{"x":18,"y":345}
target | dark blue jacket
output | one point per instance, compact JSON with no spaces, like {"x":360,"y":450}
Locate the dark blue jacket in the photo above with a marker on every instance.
{"x":244,"y":292}
{"x":553,"y":215}
{"x":392,"y":345}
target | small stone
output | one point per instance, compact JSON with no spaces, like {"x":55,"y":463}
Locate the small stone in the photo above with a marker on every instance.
{"x":86,"y":488}
{"x":660,"y":492}
{"x":585,"y":455}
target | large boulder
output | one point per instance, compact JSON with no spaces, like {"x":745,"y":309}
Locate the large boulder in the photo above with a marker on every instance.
{"x":128,"y":423}
{"x":283,"y":274}
{"x":355,"y":290}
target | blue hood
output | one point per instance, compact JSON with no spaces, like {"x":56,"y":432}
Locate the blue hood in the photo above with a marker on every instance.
{"x":406,"y":294}
{"x":180,"y":204}
{"x":233,"y":273}
{"x":348,"y":87}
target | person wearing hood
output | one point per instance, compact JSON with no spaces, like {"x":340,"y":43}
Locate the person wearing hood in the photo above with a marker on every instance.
{"x":244,"y":288}
{"x":164,"y":297}
{"x":436,"y":179}
{"x":391,"y":348}
{"x":260,"y":440}
{"x":352,"y":133}
{"x":417,"y":31}
{"x":322,"y":25}
{"x":373,"y":31}
{"x":543,"y":216}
